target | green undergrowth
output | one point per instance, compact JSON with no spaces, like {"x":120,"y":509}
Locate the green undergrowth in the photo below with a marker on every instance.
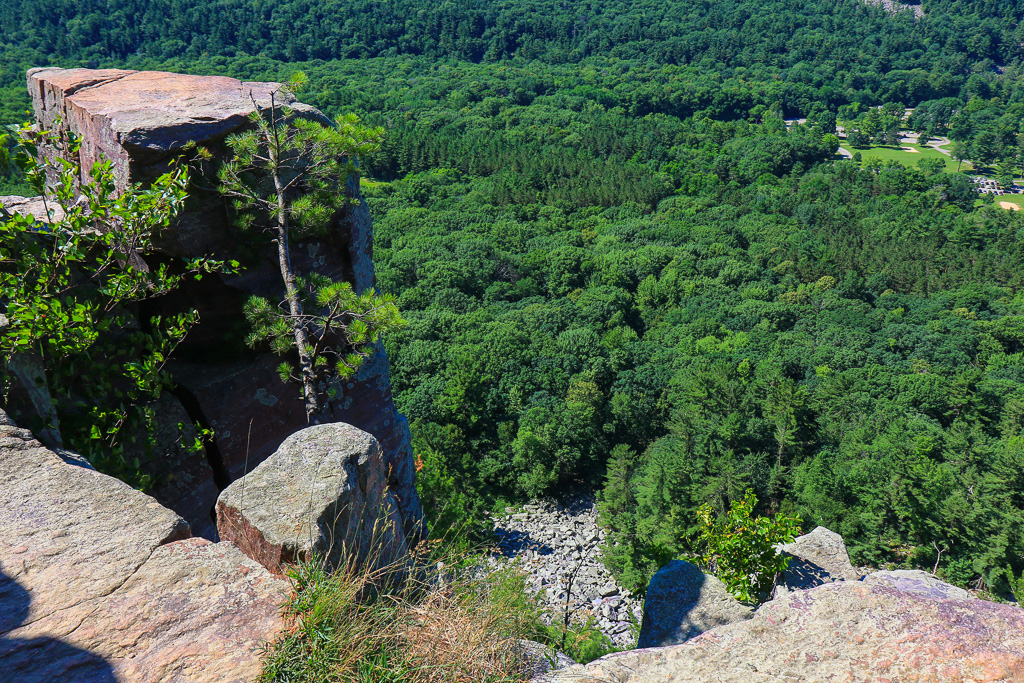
{"x":440,"y":617}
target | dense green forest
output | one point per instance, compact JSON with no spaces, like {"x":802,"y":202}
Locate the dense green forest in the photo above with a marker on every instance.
{"x":621,"y":270}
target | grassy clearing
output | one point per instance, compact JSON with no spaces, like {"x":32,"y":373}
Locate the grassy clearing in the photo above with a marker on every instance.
{"x":440,"y":618}
{"x":1015,"y":199}
{"x":911,"y":159}
{"x":908,"y":158}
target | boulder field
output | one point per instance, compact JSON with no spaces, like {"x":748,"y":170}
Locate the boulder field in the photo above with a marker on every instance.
{"x":558,"y":545}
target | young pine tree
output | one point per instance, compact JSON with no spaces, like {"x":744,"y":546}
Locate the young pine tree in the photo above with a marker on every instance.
{"x":287,"y":180}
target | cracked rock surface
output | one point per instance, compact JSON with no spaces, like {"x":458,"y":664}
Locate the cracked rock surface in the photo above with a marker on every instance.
{"x":552,"y":542}
{"x":99,"y":582}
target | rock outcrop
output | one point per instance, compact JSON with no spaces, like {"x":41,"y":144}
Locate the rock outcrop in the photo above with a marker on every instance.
{"x":322,"y":493}
{"x":816,"y":558}
{"x":99,"y":582}
{"x":842,"y":631}
{"x":142,"y":121}
{"x":683,"y":602}
{"x":917,"y":581}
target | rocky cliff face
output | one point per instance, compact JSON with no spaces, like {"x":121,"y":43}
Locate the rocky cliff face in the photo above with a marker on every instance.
{"x":142,"y":121}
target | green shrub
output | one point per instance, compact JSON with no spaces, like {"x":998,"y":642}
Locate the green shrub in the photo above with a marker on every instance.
{"x":740,"y":549}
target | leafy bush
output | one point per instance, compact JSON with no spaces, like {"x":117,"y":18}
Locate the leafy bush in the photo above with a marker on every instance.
{"x":78,"y":364}
{"x":740,"y":550}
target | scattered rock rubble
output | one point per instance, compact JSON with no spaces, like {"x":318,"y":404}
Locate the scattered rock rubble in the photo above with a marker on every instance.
{"x":553,"y":542}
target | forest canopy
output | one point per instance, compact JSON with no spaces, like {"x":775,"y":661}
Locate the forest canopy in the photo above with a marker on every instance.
{"x":622,"y":270}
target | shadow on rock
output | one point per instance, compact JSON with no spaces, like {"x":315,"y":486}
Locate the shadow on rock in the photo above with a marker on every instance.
{"x":683,"y":602}
{"x":23,"y":659}
{"x":511,"y":542}
{"x":802,"y":574}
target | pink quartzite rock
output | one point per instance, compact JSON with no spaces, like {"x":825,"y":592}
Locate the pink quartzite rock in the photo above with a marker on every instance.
{"x":843,"y":632}
{"x":324,"y":493}
{"x":917,"y":581}
{"x":100,"y":583}
{"x":135,"y":118}
{"x":141,"y":121}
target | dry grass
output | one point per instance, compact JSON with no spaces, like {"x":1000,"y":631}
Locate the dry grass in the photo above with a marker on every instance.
{"x":417,"y":622}
{"x":448,"y":637}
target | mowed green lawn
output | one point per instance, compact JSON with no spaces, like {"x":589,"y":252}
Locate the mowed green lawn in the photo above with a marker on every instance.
{"x":911,"y":158}
{"x":908,"y":158}
{"x":1017,"y":199}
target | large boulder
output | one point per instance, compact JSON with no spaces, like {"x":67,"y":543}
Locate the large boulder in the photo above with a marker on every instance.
{"x":683,"y":602}
{"x":842,"y":631}
{"x":142,"y":121}
{"x":816,"y":558}
{"x":324,"y":494}
{"x":917,"y":581}
{"x":99,"y":582}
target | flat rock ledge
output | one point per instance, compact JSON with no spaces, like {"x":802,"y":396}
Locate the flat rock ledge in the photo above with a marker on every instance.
{"x":843,"y":631}
{"x":139,"y":118}
{"x":324,"y":493}
{"x":100,"y":583}
{"x":917,"y":581}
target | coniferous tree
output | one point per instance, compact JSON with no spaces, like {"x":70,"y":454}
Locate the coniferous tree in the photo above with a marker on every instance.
{"x":288,"y":179}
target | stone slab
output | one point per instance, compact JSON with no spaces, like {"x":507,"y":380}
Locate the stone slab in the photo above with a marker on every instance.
{"x":100,"y":583}
{"x":844,"y":631}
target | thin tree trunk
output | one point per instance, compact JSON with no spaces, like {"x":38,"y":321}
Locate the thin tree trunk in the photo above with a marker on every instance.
{"x":313,"y":410}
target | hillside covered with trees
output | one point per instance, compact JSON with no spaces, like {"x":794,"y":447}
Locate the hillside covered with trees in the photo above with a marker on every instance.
{"x":622,"y":270}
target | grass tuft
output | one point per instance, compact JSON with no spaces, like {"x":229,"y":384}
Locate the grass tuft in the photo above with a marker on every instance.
{"x":435,"y":618}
